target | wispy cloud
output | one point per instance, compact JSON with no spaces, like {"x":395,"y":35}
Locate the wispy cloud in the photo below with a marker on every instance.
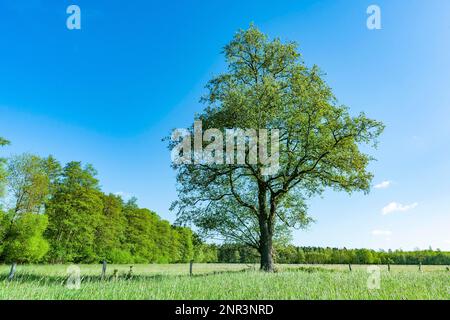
{"x":383,"y":185}
{"x":398,"y":207}
{"x":381,"y":232}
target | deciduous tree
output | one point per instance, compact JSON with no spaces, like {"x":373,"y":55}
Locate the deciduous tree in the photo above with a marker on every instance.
{"x":268,"y":86}
{"x":74,"y":213}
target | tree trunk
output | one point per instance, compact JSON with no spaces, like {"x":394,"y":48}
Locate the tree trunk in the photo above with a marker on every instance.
{"x":266,"y":231}
{"x":266,"y":251}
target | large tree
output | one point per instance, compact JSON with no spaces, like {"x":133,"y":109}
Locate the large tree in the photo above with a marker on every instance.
{"x":28,"y":183}
{"x":74,"y":213}
{"x":22,"y":226}
{"x":268,"y":86}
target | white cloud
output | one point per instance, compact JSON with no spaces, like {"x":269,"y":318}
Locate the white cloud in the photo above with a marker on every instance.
{"x":398,"y":207}
{"x":383,"y":185}
{"x":381,"y":232}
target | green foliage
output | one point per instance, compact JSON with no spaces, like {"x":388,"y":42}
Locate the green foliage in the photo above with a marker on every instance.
{"x":235,"y":253}
{"x":117,"y":255}
{"x":268,"y":86}
{"x":74,"y":213}
{"x":3,"y":175}
{"x":140,"y":232}
{"x":290,"y":254}
{"x":203,"y":252}
{"x":4,"y":227}
{"x":23,"y":224}
{"x":150,"y":239}
{"x":28,"y":183}
{"x":184,"y":247}
{"x":110,"y":233}
{"x":80,"y":223}
{"x":3,"y":172}
{"x":25,"y":242}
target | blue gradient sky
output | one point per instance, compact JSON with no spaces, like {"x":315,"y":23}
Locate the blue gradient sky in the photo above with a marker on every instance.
{"x":108,"y":93}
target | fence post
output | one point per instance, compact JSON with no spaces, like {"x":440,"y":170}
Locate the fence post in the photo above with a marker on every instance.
{"x":104,"y":269}
{"x":190,"y":267}
{"x":349,"y":267}
{"x":12,"y":271}
{"x":130,"y":273}
{"x":420,"y":266}
{"x":389,"y":267}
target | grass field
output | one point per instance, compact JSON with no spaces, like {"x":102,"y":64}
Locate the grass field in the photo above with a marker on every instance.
{"x":226,"y":281}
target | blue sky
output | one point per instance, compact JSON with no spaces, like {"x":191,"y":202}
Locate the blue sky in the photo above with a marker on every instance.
{"x":108,"y":93}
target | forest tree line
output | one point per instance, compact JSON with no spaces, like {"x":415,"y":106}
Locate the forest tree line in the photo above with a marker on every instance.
{"x":290,"y":254}
{"x":51,"y":213}
{"x":58,"y":214}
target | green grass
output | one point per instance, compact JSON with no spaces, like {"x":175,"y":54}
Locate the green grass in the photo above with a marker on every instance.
{"x":226,"y":281}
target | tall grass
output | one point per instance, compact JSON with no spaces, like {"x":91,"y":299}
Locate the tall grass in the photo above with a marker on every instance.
{"x":225,"y":282}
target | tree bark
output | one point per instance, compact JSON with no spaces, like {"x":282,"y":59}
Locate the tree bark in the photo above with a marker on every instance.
{"x":266,"y":231}
{"x":266,"y":250}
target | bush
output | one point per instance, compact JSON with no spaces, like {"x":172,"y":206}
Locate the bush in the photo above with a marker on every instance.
{"x":25,"y":239}
{"x":120,"y":256}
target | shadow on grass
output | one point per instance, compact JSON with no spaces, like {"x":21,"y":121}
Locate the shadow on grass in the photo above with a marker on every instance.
{"x":309,"y":269}
{"x":126,"y":277}
{"x":62,"y":280}
{"x":53,"y":279}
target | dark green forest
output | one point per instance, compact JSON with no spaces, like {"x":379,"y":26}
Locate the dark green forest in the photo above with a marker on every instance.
{"x":53,"y":213}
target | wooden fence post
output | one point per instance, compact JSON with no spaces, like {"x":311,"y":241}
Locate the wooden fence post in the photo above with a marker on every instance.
{"x":389,"y":267}
{"x":420,"y":266}
{"x":12,"y":271}
{"x":104,"y":269}
{"x":130,"y":273}
{"x":190,"y":267}
{"x":349,"y":267}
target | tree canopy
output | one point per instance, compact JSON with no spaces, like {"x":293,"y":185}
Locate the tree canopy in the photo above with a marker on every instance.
{"x":268,"y":86}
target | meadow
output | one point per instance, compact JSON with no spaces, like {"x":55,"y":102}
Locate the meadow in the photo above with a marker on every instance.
{"x":225,"y":281}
